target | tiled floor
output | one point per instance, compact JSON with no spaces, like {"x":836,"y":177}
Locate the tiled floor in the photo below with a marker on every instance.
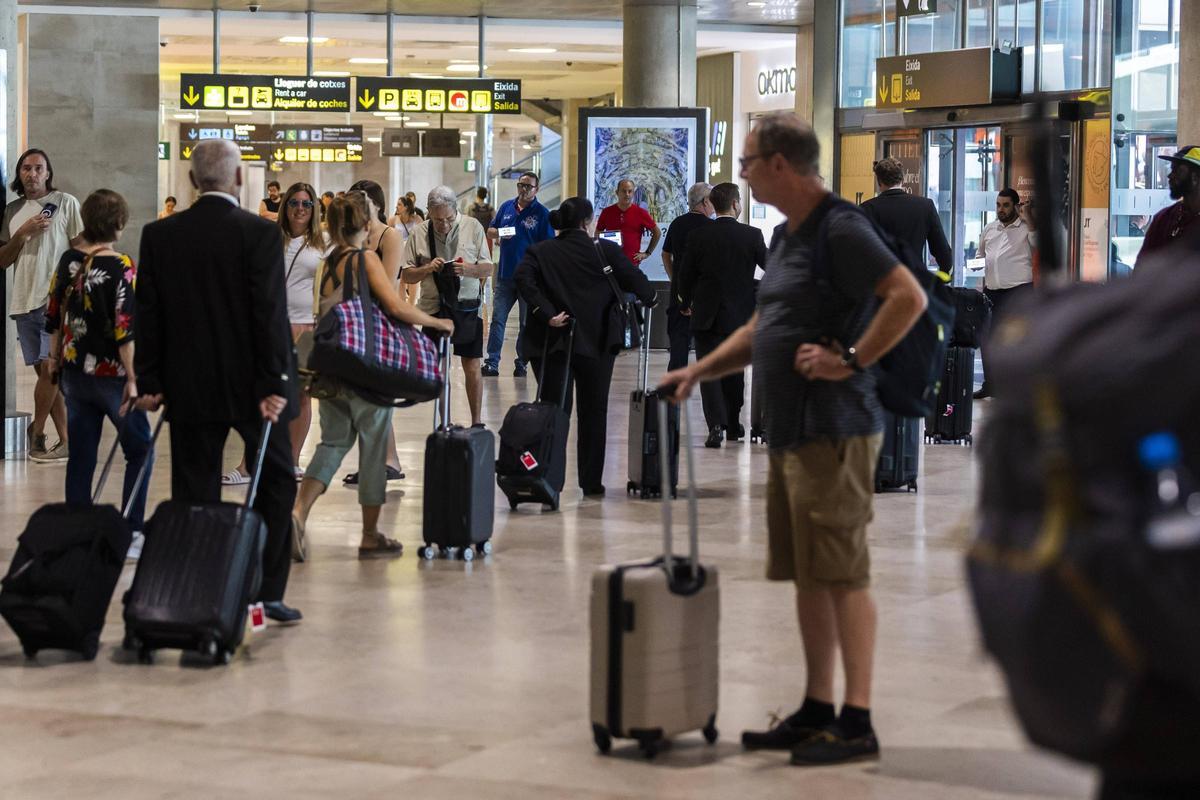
{"x":445,"y":680}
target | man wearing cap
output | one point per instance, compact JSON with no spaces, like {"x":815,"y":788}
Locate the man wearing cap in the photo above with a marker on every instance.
{"x":1174,"y":220}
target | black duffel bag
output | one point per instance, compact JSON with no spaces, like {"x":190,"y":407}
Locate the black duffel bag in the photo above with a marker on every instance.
{"x":1086,"y":615}
{"x":972,"y":315}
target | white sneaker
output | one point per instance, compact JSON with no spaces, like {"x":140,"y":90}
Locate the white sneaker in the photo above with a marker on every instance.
{"x":135,"y":547}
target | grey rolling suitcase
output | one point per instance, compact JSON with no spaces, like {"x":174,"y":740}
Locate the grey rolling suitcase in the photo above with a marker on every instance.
{"x":460,"y":484}
{"x":654,"y":640}
{"x":647,"y":435}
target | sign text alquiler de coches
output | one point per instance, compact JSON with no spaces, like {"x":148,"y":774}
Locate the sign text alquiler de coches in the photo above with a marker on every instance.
{"x":306,"y":93}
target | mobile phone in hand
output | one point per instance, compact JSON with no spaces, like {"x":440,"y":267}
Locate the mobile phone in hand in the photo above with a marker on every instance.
{"x":48,"y":209}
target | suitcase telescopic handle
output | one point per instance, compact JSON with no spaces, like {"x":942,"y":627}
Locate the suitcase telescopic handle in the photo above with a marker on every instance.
{"x":664,"y":465}
{"x":259,"y":458}
{"x":141,"y":476}
{"x":442,"y":406}
{"x":644,"y":352}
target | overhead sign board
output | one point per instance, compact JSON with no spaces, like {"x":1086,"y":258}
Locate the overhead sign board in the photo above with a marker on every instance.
{"x":972,"y":77}
{"x":263,"y":93}
{"x":164,"y":151}
{"x":915,"y":8}
{"x":400,"y":142}
{"x":451,"y":96}
{"x":321,"y":143}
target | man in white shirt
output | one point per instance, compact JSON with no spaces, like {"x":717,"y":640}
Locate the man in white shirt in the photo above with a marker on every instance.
{"x":1006,"y":247}
{"x":38,"y":227}
{"x":446,"y":247}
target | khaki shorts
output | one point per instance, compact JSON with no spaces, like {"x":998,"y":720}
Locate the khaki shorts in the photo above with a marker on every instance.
{"x":820,"y":499}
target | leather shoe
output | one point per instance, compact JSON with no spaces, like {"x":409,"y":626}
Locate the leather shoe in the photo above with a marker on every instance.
{"x":715,"y":435}
{"x":277,"y":611}
{"x":736,"y":433}
{"x":983,"y":393}
{"x":594,"y":491}
{"x":488,"y":371}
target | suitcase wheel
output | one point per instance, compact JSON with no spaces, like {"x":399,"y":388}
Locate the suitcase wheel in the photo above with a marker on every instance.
{"x":30,"y":651}
{"x":512,"y":504}
{"x":710,"y":730}
{"x":630,"y":487}
{"x":467,"y":553}
{"x":427,"y":552}
{"x":90,"y":646}
{"x":484,"y":548}
{"x":602,"y":739}
{"x":222,"y":657}
{"x":650,"y":745}
{"x":912,"y":486}
{"x":552,"y":506}
{"x":145,"y":655}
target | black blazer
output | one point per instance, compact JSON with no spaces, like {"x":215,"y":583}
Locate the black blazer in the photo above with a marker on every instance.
{"x":914,"y":220}
{"x":566,"y":274}
{"x":716,"y":278}
{"x":213,"y":334}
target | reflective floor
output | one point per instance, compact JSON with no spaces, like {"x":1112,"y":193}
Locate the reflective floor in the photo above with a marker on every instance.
{"x":452,"y":680}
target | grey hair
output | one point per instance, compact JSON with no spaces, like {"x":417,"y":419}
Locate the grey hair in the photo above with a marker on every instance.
{"x":215,"y":163}
{"x":442,"y":196}
{"x":698,"y":193}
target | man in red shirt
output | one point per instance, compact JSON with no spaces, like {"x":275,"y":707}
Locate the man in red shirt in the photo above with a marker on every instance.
{"x":1174,"y":220}
{"x":631,"y":221}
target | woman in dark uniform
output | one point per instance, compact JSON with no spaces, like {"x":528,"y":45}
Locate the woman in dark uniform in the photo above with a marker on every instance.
{"x":562,"y":280}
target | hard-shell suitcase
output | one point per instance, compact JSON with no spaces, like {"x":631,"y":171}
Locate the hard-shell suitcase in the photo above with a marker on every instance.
{"x":62,"y":577}
{"x":532,"y":466}
{"x":951,"y":417}
{"x":898,"y":457}
{"x":646,"y":434}
{"x":654,"y":640}
{"x":460,"y":479}
{"x":200,"y":569}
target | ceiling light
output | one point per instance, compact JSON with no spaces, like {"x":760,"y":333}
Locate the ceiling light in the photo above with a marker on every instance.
{"x":185,"y":115}
{"x":374,"y":139}
{"x":532,"y":50}
{"x":238,"y":113}
{"x":526,"y":147}
{"x":462,"y":141}
{"x":367,"y":60}
{"x":302,"y":39}
{"x":464,"y":68}
{"x":418,"y":124}
{"x":330,"y":73}
{"x":425,"y":75}
{"x":755,"y":4}
{"x":382,"y":113}
{"x":396,"y":118}
{"x":461,"y":61}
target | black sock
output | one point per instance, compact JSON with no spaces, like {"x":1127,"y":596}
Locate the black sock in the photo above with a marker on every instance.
{"x":813,"y":714}
{"x":855,"y":722}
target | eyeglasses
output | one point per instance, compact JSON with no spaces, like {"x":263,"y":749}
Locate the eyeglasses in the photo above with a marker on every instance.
{"x":746,"y":161}
{"x":300,"y":203}
{"x":526,"y":186}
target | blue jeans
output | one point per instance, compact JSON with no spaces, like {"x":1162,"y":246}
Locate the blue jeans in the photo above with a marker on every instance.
{"x":89,"y":400}
{"x":506,"y":295}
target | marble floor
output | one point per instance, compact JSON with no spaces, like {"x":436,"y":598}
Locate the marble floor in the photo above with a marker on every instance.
{"x":452,"y":680}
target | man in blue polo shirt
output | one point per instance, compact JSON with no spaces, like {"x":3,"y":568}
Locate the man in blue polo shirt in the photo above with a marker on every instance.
{"x":519,"y":223}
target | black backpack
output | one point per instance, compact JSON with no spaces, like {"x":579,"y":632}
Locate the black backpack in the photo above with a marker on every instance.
{"x":909,"y":376}
{"x":1097,"y":630}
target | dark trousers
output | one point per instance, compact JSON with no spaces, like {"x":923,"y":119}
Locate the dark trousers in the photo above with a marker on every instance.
{"x":722,"y":399}
{"x":591,"y":379}
{"x":679,"y":332}
{"x":196,"y":451}
{"x":1000,"y":298}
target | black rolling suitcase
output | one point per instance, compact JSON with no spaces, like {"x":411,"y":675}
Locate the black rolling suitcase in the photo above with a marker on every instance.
{"x":68,"y":561}
{"x":645,"y":436}
{"x":200,"y":569}
{"x":460,"y":480}
{"x":532,"y":466}
{"x":897,"y":467}
{"x":951,"y":417}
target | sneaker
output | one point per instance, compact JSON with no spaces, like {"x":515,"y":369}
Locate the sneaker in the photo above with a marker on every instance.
{"x":55,"y":455}
{"x":135,"y":547}
{"x":831,"y":746}
{"x":715,"y":436}
{"x":519,"y":371}
{"x":982,"y":393}
{"x":36,"y":444}
{"x":784,"y":734}
{"x":488,"y":371}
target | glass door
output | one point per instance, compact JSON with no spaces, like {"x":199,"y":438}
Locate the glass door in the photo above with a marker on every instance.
{"x":964,"y":170}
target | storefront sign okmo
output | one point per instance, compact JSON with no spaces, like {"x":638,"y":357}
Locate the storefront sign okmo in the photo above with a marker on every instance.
{"x":776,"y":81}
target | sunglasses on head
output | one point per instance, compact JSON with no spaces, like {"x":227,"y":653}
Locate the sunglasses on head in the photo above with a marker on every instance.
{"x":300,"y":203}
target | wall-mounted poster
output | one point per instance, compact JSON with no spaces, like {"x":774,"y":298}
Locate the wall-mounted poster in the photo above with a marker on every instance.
{"x":662,"y":150}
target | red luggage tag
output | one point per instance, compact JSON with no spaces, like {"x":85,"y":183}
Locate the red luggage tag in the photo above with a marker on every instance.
{"x":258,"y":618}
{"x":529,"y":461}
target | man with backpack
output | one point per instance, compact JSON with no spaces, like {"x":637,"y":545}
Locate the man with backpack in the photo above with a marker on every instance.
{"x":824,"y":422}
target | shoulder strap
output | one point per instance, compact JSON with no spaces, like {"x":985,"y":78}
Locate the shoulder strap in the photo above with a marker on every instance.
{"x":288,"y":275}
{"x":432,"y":242}
{"x":606,"y":268}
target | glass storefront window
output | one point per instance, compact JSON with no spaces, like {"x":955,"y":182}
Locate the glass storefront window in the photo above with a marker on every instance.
{"x":979,"y":23}
{"x":1074,"y":44}
{"x":933,"y":32}
{"x":862,"y":40}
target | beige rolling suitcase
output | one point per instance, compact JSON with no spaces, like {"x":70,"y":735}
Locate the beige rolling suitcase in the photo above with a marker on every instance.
{"x":655,"y":638}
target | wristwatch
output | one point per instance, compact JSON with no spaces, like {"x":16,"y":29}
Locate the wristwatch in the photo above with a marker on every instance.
{"x":850,"y":359}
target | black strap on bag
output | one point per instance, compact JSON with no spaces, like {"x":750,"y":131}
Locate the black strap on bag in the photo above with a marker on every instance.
{"x":620,"y":313}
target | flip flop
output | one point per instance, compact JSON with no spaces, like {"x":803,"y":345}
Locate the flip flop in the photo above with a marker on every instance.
{"x":388,"y":548}
{"x":234,"y":478}
{"x":299,"y":541}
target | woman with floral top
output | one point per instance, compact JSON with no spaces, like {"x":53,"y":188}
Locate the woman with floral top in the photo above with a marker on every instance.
{"x":90,"y":317}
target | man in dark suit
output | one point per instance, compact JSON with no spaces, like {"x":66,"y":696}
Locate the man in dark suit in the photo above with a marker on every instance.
{"x":906,"y":217}
{"x":214,"y":345}
{"x":716,"y":289}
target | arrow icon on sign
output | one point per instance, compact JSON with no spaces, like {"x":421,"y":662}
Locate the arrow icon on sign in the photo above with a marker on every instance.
{"x":191,"y":97}
{"x":883,"y":89}
{"x":278,"y":154}
{"x":192,"y":133}
{"x":187,"y":152}
{"x":365,"y":99}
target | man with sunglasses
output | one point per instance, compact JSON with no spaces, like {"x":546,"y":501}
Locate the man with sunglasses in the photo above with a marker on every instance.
{"x":519,"y":223}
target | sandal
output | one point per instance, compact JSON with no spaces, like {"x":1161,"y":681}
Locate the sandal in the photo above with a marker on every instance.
{"x":393,"y":474}
{"x":234,"y":478}
{"x":299,"y":541}
{"x":386,"y":548}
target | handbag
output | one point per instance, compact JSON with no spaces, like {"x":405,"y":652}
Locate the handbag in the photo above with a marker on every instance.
{"x":624,"y":330}
{"x":360,"y":347}
{"x":466,"y":319}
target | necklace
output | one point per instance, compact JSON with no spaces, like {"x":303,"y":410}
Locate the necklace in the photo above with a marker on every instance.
{"x":1183,"y":219}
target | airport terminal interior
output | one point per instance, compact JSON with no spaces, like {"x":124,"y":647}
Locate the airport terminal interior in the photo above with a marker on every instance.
{"x":446,"y":677}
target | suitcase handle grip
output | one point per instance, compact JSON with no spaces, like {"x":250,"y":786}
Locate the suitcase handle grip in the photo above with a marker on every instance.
{"x":665,"y":472}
